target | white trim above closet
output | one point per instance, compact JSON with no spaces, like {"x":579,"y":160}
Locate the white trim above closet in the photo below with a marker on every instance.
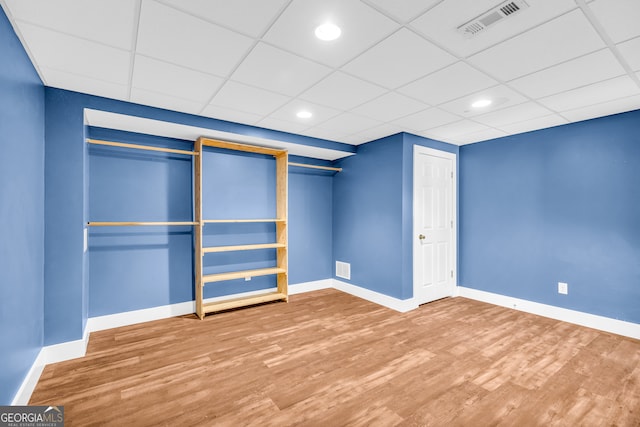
{"x":109,"y":120}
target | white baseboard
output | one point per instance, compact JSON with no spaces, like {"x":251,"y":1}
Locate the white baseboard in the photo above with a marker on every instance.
{"x":385,"y":300}
{"x":300,"y":288}
{"x":49,"y":354}
{"x":607,"y":324}
{"x":66,"y":350}
{"x":109,"y":321}
{"x":30,"y":381}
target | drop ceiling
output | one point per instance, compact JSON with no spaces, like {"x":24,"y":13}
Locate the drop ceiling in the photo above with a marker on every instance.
{"x":400,"y":65}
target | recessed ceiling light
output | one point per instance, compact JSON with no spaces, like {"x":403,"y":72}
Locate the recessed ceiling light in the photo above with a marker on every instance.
{"x":481,"y":103}
{"x":328,"y":32}
{"x":304,"y":114}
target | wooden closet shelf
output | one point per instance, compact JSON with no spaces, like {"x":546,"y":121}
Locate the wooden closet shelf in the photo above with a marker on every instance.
{"x":141,"y":147}
{"x":212,"y":249}
{"x":219,"y":277}
{"x":133,"y":223}
{"x":242,"y":302}
{"x":222,"y":221}
{"x":305,"y":165}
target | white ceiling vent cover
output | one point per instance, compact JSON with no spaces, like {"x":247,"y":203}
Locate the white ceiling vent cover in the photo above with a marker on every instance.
{"x":490,"y":17}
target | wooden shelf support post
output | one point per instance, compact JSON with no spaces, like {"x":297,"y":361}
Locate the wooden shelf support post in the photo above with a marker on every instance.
{"x":282,"y":164}
{"x":198,"y":228}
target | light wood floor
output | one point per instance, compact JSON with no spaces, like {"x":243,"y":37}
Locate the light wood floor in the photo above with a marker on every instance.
{"x":331,"y":359}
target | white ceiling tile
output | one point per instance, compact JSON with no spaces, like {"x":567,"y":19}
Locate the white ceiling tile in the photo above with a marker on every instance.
{"x":348,"y":123}
{"x":248,"y":98}
{"x":354,"y":139}
{"x":631,"y":52}
{"x":282,"y":125}
{"x":361,"y":26}
{"x":582,"y":71}
{"x":342,"y":91}
{"x":319,"y":113}
{"x":450,"y":83}
{"x":620,"y":18}
{"x":70,"y":81}
{"x":515,"y":114}
{"x":162,"y":100}
{"x":561,"y":39}
{"x":246,"y":16}
{"x":77,"y":56}
{"x":279,"y":71}
{"x":608,"y":90}
{"x":374,"y":133}
{"x":454,"y":130}
{"x":402,"y":10}
{"x":501,"y":95}
{"x":534,"y":124}
{"x":604,"y":109}
{"x":440,"y":23}
{"x":109,"y":22}
{"x":161,"y":77}
{"x":427,"y":119}
{"x":482,"y":135}
{"x":321,"y":133}
{"x":449,"y":140}
{"x":230,"y":115}
{"x":176,"y":37}
{"x":399,"y":59}
{"x":389,"y":107}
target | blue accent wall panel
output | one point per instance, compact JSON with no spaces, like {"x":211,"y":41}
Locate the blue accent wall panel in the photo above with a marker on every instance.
{"x":21,"y":213}
{"x":133,"y":268}
{"x":556,"y":205}
{"x":310,"y":224}
{"x":367,"y":215}
{"x":65,"y":275}
{"x":238,"y":185}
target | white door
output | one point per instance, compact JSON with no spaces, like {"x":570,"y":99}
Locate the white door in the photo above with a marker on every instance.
{"x":434,"y":209}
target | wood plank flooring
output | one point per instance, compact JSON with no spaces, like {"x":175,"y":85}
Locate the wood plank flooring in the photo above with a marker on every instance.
{"x":331,"y":359}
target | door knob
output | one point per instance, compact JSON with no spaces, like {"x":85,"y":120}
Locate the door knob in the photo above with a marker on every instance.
{"x":422,"y":237}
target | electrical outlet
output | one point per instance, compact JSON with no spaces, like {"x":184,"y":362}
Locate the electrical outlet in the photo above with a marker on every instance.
{"x":563,"y":288}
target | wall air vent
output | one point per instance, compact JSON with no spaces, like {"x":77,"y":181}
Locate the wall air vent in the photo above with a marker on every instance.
{"x":490,"y":17}
{"x":343,"y":269}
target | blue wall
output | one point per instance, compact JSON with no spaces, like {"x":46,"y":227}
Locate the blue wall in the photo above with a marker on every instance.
{"x":367,"y":215}
{"x":556,"y":205}
{"x":138,"y":267}
{"x":21,"y":212}
{"x":65,"y":215}
{"x":373,"y":211}
{"x":310,"y":222}
{"x":133,"y":268}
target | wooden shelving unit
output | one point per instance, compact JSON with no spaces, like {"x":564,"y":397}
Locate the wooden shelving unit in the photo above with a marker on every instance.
{"x":280,"y":270}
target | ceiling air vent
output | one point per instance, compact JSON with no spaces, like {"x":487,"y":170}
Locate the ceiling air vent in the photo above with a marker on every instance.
{"x":490,"y":17}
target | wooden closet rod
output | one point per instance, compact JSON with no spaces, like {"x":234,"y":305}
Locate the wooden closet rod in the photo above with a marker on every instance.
{"x":141,"y":147}
{"x":304,"y":165}
{"x":131,"y":223}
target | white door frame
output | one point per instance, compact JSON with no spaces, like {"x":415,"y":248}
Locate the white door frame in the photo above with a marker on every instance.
{"x":418,"y":150}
